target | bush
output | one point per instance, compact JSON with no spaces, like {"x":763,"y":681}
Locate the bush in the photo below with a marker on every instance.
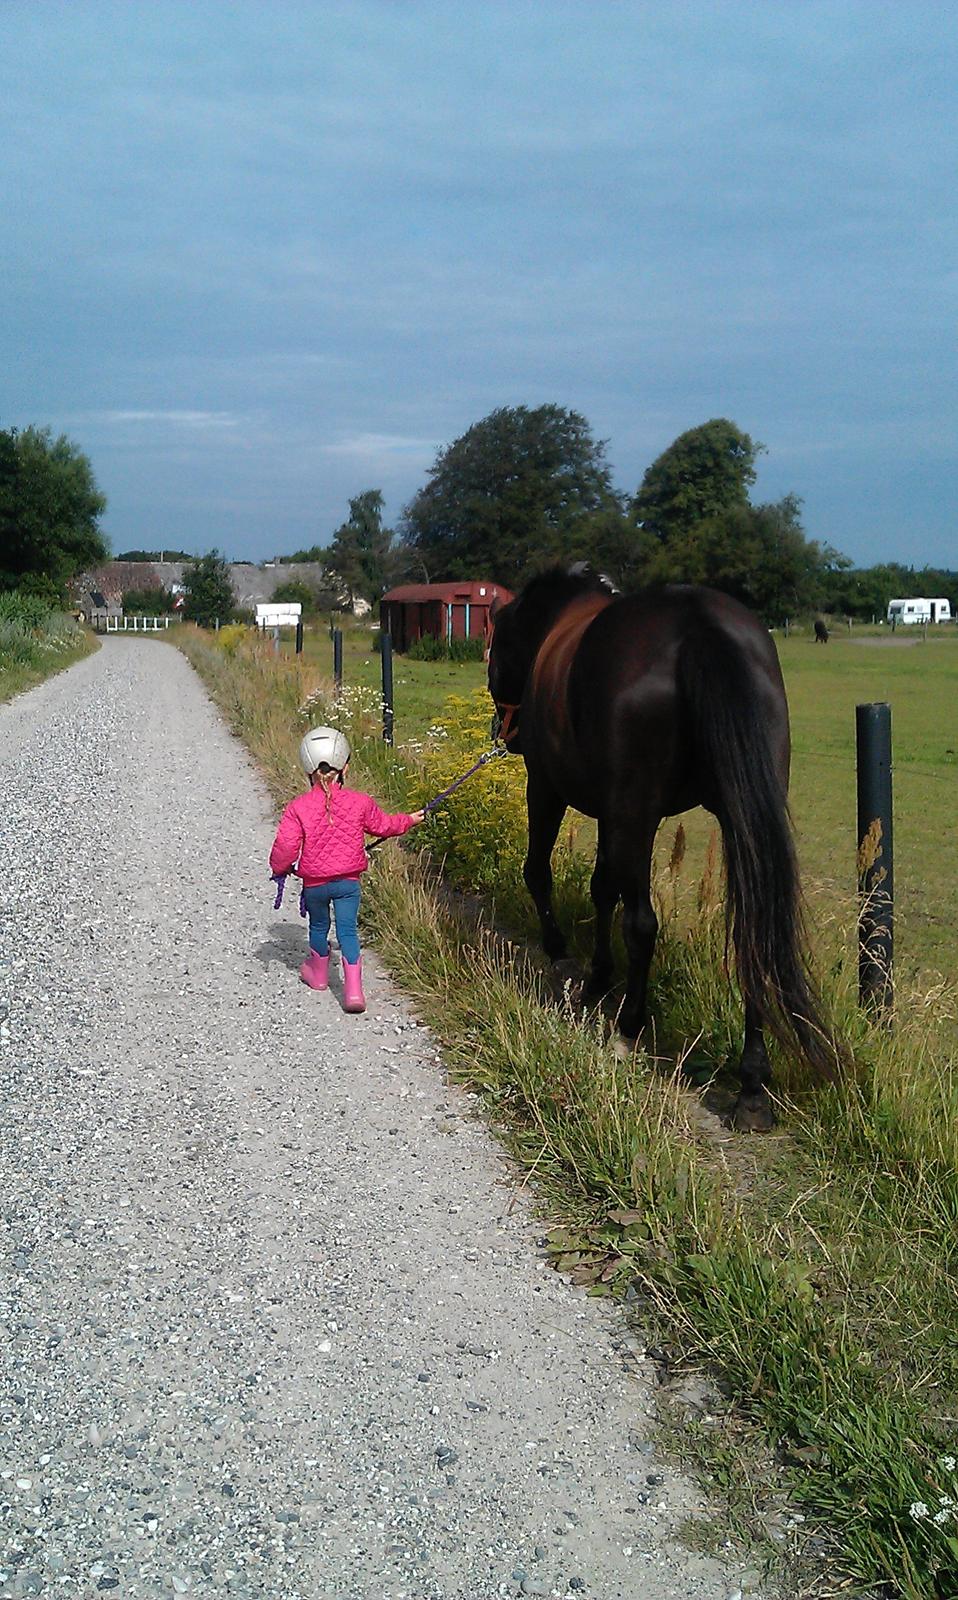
{"x":152,"y":602}
{"x":429,"y":648}
{"x":31,"y":631}
{"x":209,"y":591}
{"x":230,"y":638}
{"x":294,"y":592}
{"x":27,"y":610}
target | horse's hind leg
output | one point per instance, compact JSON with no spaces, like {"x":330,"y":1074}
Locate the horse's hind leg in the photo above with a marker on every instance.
{"x":546,"y":811}
{"x":753,"y":1109}
{"x":605,"y":898}
{"x":630,"y":859}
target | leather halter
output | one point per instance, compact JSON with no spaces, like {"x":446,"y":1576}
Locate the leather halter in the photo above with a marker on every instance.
{"x":508,"y":728}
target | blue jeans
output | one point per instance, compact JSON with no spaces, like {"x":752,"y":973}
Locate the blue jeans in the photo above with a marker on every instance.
{"x":343,"y":895}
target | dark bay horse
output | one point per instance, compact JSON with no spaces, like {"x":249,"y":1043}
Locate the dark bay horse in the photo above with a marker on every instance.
{"x":634,"y":708}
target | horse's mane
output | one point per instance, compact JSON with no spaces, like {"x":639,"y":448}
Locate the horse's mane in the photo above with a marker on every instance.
{"x":552,"y":589}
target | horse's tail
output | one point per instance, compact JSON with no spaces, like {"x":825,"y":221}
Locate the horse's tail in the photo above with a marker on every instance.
{"x":763,"y":903}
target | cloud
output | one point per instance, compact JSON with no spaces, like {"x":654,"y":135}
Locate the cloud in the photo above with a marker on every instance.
{"x":180,"y":419}
{"x":380,"y":445}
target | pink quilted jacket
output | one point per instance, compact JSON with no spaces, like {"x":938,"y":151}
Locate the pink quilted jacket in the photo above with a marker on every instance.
{"x":330,"y":846}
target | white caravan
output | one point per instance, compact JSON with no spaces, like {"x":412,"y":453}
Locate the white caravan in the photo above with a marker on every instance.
{"x":908,"y":611}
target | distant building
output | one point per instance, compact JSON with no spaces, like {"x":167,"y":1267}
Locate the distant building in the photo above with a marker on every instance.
{"x":252,"y":585}
{"x":445,"y":610}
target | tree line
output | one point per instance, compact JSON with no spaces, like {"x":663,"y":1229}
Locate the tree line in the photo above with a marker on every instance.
{"x":527,"y":487}
{"x":522,"y":488}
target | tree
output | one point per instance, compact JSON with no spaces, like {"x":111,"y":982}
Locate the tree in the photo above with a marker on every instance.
{"x":295,"y":592}
{"x":513,"y":493}
{"x":359,"y":554}
{"x":155,"y":555}
{"x":316,"y":552}
{"x":705,"y":473}
{"x":49,"y":510}
{"x":151,"y":601}
{"x":699,"y":526}
{"x":864,"y":592}
{"x":209,"y":590}
{"x":759,"y":554}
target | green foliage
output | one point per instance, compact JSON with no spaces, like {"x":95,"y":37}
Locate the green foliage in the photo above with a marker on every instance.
{"x":700,"y":527}
{"x":35,"y":639}
{"x":209,"y":590}
{"x":518,"y":490}
{"x":154,"y":555}
{"x":864,"y":592}
{"x":30,"y":610}
{"x":153,"y":602}
{"x":296,"y":592}
{"x":359,"y":554}
{"x":316,"y":553}
{"x":705,"y":473}
{"x":49,"y":511}
{"x":429,"y":648}
{"x":759,"y":554}
{"x":231,"y":638}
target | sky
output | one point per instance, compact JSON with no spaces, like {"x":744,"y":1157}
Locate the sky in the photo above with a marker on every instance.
{"x":259,"y":257}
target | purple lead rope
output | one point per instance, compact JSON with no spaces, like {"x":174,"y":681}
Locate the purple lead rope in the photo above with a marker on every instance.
{"x":279,"y":878}
{"x":490,"y":755}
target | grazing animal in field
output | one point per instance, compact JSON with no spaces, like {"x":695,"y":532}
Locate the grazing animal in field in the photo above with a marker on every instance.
{"x":821,"y":632}
{"x":634,"y":708}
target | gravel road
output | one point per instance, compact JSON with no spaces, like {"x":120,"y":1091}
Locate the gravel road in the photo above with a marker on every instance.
{"x":274,"y":1319}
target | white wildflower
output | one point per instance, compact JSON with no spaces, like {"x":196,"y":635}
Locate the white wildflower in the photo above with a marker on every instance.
{"x":942,"y":1516}
{"x":947,"y":1463}
{"x":918,"y":1510}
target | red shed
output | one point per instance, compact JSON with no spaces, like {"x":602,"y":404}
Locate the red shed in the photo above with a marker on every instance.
{"x":446,"y":610}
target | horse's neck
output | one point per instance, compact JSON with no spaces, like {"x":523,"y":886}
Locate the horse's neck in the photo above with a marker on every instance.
{"x":555,"y":654}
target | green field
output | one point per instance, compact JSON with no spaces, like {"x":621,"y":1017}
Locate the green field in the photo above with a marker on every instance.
{"x":918,"y":678}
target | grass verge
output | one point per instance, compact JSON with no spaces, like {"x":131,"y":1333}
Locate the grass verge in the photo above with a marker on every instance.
{"x":34,"y":648}
{"x":815,"y":1269}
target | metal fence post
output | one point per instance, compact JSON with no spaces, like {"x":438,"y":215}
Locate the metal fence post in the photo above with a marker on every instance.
{"x":876,"y":883}
{"x":299,"y":637}
{"x":386,"y":653}
{"x":338,"y":659}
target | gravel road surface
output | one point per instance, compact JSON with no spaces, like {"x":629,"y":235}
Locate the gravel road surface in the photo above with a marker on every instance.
{"x":274,"y":1320}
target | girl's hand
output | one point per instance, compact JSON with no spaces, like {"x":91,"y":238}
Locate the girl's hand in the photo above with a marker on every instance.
{"x":417,"y":817}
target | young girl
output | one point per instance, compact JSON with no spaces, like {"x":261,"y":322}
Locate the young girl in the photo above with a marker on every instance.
{"x":324,"y":831}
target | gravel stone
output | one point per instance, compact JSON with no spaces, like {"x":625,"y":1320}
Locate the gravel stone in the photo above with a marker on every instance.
{"x":241,"y":1231}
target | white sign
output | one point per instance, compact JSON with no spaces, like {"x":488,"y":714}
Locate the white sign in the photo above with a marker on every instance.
{"x":279,"y":616}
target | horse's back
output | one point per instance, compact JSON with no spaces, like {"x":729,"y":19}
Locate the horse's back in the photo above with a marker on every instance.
{"x":631,"y":697}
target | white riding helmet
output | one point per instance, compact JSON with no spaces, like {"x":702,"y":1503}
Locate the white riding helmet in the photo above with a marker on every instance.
{"x":323,"y":745}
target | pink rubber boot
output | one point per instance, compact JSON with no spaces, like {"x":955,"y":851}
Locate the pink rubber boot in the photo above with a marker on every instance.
{"x":353,"y":997}
{"x":315,"y":971}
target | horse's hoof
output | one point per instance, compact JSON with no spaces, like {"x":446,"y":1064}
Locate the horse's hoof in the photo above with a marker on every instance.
{"x":596,"y":988}
{"x":754,"y":1115}
{"x":567,"y":970}
{"x":627,"y":1049}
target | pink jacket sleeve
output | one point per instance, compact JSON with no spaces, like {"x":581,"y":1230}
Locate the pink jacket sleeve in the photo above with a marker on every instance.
{"x":383,"y":825}
{"x":288,"y":844}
